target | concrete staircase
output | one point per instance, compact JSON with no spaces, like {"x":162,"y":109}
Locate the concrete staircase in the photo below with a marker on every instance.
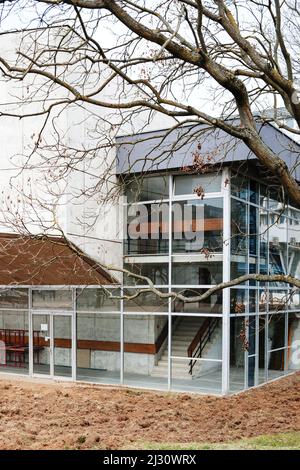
{"x":183,"y":333}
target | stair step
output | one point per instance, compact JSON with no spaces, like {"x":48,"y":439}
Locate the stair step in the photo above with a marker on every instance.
{"x":187,"y":329}
{"x":174,"y":365}
{"x":181,"y":339}
{"x":177,"y":367}
{"x":190,"y":321}
{"x":194,"y":325}
{"x":184,"y":337}
{"x":183,"y":333}
{"x":174,"y":376}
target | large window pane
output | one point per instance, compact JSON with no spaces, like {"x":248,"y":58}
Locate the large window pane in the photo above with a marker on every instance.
{"x":98,"y":300}
{"x":278,"y":300}
{"x":277,"y":351}
{"x":14,"y":343}
{"x":147,"y":229}
{"x":198,"y":226}
{"x":98,"y":347}
{"x":62,"y":334}
{"x":253,"y":300}
{"x":277,"y":244}
{"x":239,"y":239}
{"x":52,"y":299}
{"x":196,"y":353}
{"x":276,"y":364}
{"x":254,"y":192}
{"x":14,"y":298}
{"x":251,"y":349}
{"x":145,"y":301}
{"x":41,"y":326}
{"x":263,"y":241}
{"x":197,"y":337}
{"x":190,"y":184}
{"x":240,"y":186}
{"x":237,"y":353}
{"x":157,"y":272}
{"x":239,"y":301}
{"x":211,"y":305}
{"x":207,"y":376}
{"x":147,"y":188}
{"x":277,"y":200}
{"x":146,"y":350}
{"x":277,"y":331}
{"x":253,"y":241}
{"x":262,"y":348}
{"x":197,"y":273}
{"x":263,"y":196}
{"x":262,"y":300}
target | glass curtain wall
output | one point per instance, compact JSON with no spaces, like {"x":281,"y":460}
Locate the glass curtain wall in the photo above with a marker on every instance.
{"x":264,"y":327}
{"x":98,"y":323}
{"x":179,"y":246}
{"x":157,"y":342}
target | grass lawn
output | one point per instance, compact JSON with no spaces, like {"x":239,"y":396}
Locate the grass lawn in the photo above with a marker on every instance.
{"x":285,"y":441}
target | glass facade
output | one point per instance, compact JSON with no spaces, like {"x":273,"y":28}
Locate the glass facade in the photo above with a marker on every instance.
{"x":180,"y":248}
{"x":265,"y":240}
{"x":187,"y":234}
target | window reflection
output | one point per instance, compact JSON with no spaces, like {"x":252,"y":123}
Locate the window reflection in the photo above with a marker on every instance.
{"x":213,"y":304}
{"x":56,"y":299}
{"x":147,"y":188}
{"x":157,"y":272}
{"x":189,"y":184}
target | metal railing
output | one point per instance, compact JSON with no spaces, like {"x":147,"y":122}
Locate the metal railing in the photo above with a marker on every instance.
{"x":202,"y":337}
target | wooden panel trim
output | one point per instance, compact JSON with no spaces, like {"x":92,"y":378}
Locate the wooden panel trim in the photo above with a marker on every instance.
{"x":141,"y":348}
{"x":138,"y":348}
{"x":205,"y":225}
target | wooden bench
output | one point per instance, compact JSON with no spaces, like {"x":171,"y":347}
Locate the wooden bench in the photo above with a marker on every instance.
{"x":14,"y":346}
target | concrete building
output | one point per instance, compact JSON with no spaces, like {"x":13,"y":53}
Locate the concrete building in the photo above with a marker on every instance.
{"x":196,"y":209}
{"x":62,"y":315}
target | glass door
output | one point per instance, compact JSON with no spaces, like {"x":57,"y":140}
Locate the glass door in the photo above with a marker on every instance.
{"x":52,"y":344}
{"x":62,"y":341}
{"x":41,"y":344}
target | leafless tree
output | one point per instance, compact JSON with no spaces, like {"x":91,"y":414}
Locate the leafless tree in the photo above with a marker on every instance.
{"x":141,"y":59}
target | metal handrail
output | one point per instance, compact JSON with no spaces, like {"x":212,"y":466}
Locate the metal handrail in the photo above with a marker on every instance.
{"x":202,"y":337}
{"x":163,"y":335}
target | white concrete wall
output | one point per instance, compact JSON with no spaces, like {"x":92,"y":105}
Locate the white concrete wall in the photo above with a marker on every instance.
{"x":87,"y":220}
{"x":90,"y":221}
{"x":143,"y":329}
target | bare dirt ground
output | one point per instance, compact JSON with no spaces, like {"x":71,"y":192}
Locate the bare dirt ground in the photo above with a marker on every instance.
{"x":37,"y":415}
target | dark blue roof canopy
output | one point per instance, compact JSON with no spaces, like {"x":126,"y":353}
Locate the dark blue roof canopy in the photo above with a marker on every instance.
{"x":178,"y":148}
